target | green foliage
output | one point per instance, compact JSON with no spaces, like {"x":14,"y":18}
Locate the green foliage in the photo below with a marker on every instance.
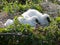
{"x":25,"y":34}
{"x":58,"y":19}
{"x":14,"y":7}
{"x":49,"y":35}
{"x":36,"y":1}
{"x":11,"y":7}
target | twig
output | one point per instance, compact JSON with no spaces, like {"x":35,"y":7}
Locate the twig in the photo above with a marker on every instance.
{"x":5,"y":34}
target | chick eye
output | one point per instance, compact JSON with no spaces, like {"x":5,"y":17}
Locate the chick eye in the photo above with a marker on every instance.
{"x":37,"y":21}
{"x":48,"y":19}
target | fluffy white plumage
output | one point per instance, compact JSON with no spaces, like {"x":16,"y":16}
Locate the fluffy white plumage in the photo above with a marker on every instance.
{"x":30,"y":13}
{"x":41,"y":17}
{"x":8,"y":22}
{"x":31,"y":20}
{"x":44,"y":21}
{"x":29,"y":17}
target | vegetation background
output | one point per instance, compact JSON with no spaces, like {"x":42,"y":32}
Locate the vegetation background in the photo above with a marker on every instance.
{"x":20,"y":34}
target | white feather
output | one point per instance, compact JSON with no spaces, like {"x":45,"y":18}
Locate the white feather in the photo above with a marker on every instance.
{"x":31,"y":21}
{"x":30,"y":13}
{"x":8,"y":22}
{"x":41,"y":17}
{"x":29,"y":17}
